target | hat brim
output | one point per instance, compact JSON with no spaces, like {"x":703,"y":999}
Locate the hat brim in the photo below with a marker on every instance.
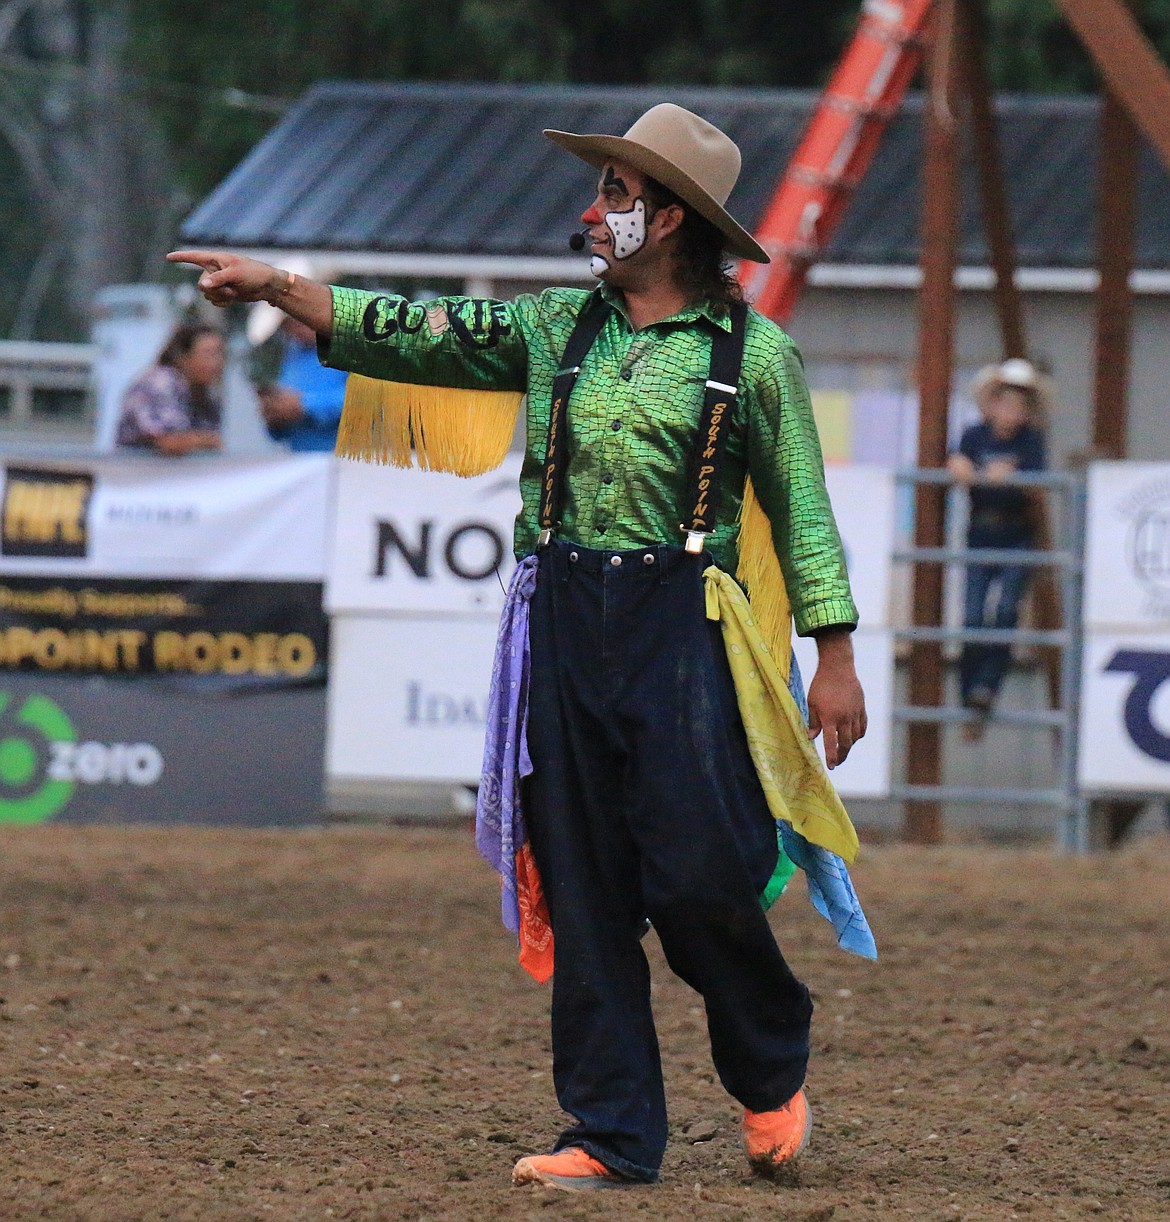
{"x":599,"y":149}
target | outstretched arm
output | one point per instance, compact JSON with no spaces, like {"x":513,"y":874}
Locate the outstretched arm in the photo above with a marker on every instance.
{"x":227,"y":278}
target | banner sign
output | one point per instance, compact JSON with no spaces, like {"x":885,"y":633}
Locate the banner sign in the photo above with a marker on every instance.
{"x":166,"y":517}
{"x":415,"y":552}
{"x":866,"y":773}
{"x":1125,"y":697}
{"x":408,"y":697}
{"x":163,"y":641}
{"x":1127,"y":546}
{"x":121,"y":626}
{"x":95,"y":750}
{"x":422,"y":541}
{"x":864,"y":501}
{"x":1125,"y":713}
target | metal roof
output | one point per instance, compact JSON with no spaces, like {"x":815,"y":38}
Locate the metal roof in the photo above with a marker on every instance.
{"x":458,"y":169}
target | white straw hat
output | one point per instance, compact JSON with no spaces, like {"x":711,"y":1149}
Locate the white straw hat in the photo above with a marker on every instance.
{"x":1018,"y":374}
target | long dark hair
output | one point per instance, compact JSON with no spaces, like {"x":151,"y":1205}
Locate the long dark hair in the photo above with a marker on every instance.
{"x":702,"y":267}
{"x":204,"y":405}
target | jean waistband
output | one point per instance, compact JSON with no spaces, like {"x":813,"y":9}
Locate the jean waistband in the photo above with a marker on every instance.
{"x":655,"y":560}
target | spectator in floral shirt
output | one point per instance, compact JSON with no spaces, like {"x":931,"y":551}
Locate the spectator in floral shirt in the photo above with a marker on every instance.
{"x":172,"y":407}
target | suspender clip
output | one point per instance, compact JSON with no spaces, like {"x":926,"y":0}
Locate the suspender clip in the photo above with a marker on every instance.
{"x":545,"y":537}
{"x":695,"y":540}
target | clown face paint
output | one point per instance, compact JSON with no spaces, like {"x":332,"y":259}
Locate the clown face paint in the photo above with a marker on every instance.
{"x":628,"y":230}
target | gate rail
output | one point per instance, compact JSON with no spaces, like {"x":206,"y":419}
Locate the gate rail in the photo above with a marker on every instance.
{"x":1066,"y":559}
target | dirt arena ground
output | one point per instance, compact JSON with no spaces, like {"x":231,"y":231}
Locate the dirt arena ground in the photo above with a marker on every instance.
{"x":312,"y":1025}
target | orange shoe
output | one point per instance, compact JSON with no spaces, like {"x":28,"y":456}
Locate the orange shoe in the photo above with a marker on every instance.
{"x":773,"y":1139}
{"x":571,"y":1169}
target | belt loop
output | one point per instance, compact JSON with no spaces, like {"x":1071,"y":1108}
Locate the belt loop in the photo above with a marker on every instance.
{"x":663,"y":551}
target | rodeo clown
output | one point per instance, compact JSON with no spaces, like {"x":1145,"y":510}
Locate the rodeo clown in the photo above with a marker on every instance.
{"x":648,"y":760}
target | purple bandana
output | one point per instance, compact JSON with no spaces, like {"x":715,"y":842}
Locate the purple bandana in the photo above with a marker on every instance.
{"x":499,"y":821}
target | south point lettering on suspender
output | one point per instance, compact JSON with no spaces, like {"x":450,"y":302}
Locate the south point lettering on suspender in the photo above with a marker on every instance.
{"x":550,"y":469}
{"x":716,"y":413}
{"x":550,"y":474}
{"x":698,"y":526}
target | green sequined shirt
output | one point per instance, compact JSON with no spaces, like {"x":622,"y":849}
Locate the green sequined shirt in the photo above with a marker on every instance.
{"x":633,"y":418}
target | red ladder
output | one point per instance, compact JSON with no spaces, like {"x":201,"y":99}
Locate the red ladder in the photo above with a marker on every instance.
{"x":835,"y":151}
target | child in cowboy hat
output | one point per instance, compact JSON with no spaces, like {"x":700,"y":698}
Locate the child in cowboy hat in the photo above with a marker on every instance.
{"x":1013,"y":399}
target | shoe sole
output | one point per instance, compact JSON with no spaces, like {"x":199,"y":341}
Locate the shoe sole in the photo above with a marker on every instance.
{"x":768,"y":1167}
{"x":570,"y":1183}
{"x":525,"y":1173}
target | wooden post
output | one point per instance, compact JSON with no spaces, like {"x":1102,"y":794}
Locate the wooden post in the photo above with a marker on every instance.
{"x":1116,"y":220}
{"x":1128,"y":63}
{"x":1045,"y":595}
{"x":1118,"y":154}
{"x":940,"y":211}
{"x":996,"y":215}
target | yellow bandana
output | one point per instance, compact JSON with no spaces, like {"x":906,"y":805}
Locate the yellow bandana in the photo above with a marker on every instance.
{"x":794,"y":779}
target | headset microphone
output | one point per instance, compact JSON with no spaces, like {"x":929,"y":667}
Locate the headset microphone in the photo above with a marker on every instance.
{"x":577,"y":240}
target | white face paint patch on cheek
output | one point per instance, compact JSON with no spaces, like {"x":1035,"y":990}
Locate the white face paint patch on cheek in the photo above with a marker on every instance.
{"x":628,"y":230}
{"x":598,"y":265}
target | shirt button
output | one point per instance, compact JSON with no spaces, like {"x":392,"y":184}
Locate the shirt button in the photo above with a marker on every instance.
{"x":600,"y":528}
{"x":607,"y":478}
{"x":627,"y":374}
{"x":616,"y":561}
{"x":616,"y":426}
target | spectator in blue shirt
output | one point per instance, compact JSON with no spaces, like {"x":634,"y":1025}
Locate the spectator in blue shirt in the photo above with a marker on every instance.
{"x":302,"y":407}
{"x":1007,"y":441}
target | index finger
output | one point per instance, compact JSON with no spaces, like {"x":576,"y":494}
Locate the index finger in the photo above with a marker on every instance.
{"x":200,"y":258}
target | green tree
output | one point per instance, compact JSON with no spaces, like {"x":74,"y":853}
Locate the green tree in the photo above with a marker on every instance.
{"x":280,"y":47}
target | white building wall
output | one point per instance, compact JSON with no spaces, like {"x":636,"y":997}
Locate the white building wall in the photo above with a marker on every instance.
{"x":870,"y":336}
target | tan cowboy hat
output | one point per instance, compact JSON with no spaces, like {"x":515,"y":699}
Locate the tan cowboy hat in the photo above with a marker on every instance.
{"x":1020,"y":374}
{"x":688,"y":155}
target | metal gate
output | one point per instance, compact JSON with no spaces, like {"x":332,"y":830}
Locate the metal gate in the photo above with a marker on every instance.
{"x":1066,"y":506}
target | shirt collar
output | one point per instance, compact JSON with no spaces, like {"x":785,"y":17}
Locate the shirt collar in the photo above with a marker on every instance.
{"x":718,"y":316}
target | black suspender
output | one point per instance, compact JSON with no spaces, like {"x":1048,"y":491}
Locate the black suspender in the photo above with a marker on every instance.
{"x":714,"y":423}
{"x":718,"y":405}
{"x":585,"y":331}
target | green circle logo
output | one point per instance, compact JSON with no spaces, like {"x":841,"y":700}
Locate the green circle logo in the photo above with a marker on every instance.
{"x":28,"y":792}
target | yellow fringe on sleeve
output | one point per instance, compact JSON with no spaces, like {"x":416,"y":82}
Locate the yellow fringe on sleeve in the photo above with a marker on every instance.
{"x":759,"y":570}
{"x":437,"y":428}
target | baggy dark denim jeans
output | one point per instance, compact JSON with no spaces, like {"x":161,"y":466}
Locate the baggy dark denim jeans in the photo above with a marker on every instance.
{"x":644,"y":802}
